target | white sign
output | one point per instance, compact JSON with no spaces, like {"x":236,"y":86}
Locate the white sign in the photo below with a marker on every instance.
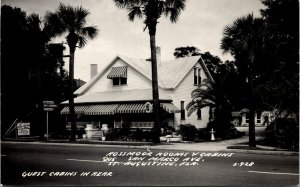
{"x":48,"y":109}
{"x":23,"y":129}
{"x":23,"y":132}
{"x":23,"y":125}
{"x":48,"y":102}
{"x":97,"y":134}
{"x":50,"y":106}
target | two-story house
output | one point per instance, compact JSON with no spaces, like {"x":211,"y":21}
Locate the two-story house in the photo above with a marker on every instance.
{"x":122,"y":92}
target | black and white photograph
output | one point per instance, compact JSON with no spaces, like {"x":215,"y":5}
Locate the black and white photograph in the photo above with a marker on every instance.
{"x":149,"y":93}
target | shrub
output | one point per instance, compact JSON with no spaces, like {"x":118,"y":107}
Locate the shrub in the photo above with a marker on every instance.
{"x":188,"y":132}
{"x":148,"y":135}
{"x":169,"y":130}
{"x":112,"y":134}
{"x":137,"y":134}
{"x":203,"y":134}
{"x":125,"y":130}
{"x":283,"y":133}
{"x":224,"y":131}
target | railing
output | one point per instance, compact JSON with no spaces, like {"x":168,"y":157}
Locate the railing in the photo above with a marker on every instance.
{"x":142,"y":125}
{"x":79,"y":125}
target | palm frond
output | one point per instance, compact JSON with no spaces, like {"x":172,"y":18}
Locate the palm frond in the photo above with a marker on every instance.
{"x":173,"y":9}
{"x":134,"y":11}
{"x":53,"y":24}
{"x":81,"y":41}
{"x":192,"y":107}
{"x":80,"y":14}
{"x":127,"y":3}
{"x":67,"y":15}
{"x":90,"y":32}
{"x":67,"y":19}
{"x":191,"y":110}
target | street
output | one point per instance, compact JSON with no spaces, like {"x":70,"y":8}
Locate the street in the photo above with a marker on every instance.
{"x":29,"y":164}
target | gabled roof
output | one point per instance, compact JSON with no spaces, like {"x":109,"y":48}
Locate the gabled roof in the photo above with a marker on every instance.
{"x":117,"y":96}
{"x":170,"y":73}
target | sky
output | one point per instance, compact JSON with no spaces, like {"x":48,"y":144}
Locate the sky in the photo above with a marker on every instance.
{"x":201,"y":24}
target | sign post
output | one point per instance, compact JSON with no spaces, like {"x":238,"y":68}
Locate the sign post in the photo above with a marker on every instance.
{"x":48,"y":107}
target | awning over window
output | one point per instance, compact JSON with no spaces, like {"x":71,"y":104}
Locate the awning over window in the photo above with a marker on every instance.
{"x":118,"y":72}
{"x":170,"y":107}
{"x":131,"y":108}
{"x":108,"y":109}
{"x":78,"y":109}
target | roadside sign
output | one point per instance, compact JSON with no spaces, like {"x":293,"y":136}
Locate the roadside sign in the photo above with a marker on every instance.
{"x":23,"y":129}
{"x":48,"y":109}
{"x":23,"y":132}
{"x":50,"y":106}
{"x":23,"y":125}
{"x":48,"y":102}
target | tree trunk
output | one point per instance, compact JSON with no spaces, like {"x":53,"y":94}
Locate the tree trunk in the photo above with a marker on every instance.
{"x":252,"y":142}
{"x":71,"y":97}
{"x":155,"y":92}
{"x":39,"y":96}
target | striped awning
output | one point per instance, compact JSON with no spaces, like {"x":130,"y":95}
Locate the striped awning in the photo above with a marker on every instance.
{"x":170,"y":107}
{"x":118,"y":72}
{"x":111,"y":109}
{"x":131,"y":108}
{"x":78,"y":109}
{"x":103,"y":109}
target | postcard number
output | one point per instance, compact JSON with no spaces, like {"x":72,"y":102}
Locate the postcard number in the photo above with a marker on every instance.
{"x":243,"y":164}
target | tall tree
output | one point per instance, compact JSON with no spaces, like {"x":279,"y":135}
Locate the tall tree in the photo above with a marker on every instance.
{"x":281,"y":76}
{"x":187,"y":51}
{"x":72,"y":21}
{"x":243,"y":39}
{"x":152,"y":10}
{"x":215,"y":65}
{"x":39,"y":39}
{"x":17,"y":66}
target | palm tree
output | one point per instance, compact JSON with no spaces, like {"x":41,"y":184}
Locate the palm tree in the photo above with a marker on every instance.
{"x":243,"y":40}
{"x":71,"y":21}
{"x":203,"y":96}
{"x":152,"y":10}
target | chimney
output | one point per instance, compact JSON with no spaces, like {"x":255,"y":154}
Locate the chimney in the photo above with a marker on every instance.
{"x":94,"y":70}
{"x":158,"y":56}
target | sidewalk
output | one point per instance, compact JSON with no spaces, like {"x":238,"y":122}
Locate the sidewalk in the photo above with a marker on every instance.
{"x":217,"y":146}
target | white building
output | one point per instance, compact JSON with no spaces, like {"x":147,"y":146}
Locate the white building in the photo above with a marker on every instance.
{"x":122,"y":92}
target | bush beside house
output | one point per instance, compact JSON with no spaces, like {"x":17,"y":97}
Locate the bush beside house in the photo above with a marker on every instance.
{"x":188,"y":132}
{"x":282,"y":133}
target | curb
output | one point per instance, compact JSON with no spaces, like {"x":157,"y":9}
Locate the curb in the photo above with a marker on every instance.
{"x":262,"y":152}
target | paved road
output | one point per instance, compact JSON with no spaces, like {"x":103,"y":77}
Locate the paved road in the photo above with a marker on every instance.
{"x":24,"y":159}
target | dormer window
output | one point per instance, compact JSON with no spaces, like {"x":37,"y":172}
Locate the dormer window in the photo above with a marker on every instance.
{"x":118,"y":75}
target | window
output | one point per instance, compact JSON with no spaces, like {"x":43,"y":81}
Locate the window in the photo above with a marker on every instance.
{"x":199,"y":114}
{"x":118,"y":75}
{"x":115,"y":81}
{"x":119,"y":81}
{"x":182,"y":110}
{"x":123,"y":81}
{"x":258,"y":117}
{"x":197,"y":76}
{"x":247,"y":118}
